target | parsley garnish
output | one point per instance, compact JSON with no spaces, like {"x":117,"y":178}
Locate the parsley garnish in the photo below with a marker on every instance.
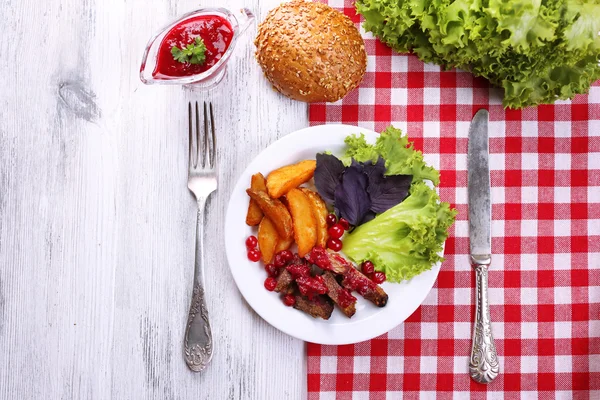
{"x":193,"y":53}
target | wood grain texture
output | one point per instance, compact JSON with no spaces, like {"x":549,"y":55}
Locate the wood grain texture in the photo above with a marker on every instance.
{"x":96,"y":222}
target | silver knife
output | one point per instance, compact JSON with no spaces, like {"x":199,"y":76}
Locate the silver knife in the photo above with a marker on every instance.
{"x":484,"y":366}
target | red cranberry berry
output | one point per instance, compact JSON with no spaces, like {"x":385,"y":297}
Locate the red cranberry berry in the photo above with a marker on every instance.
{"x":254,"y":255}
{"x":336,"y":231}
{"x":344,"y":223}
{"x":272,"y":270}
{"x":331,"y":219}
{"x":279,"y":260}
{"x":334,"y":244}
{"x":251,"y":242}
{"x":289,"y":300}
{"x":378,"y":277}
{"x":270,"y":284}
{"x":367,"y":267}
{"x":286,"y":255}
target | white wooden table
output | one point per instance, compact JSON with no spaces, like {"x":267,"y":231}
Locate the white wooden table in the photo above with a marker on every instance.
{"x":97,"y":224}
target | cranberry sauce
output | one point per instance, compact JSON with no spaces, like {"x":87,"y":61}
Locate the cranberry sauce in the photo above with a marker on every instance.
{"x":215,"y":31}
{"x":310,"y":286}
{"x":345,"y":298}
{"x":319,"y":257}
{"x":354,"y":280}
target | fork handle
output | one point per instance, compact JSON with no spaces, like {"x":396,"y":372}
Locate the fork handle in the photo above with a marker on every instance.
{"x":484,"y":366}
{"x":198,"y":344}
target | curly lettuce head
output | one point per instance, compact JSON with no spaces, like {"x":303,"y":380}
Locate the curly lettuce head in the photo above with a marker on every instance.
{"x":537,"y":51}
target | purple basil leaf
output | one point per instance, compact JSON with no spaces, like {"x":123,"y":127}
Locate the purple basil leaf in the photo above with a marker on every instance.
{"x":351,"y":197}
{"x":328,"y":175}
{"x":356,"y":164}
{"x":387,"y":191}
{"x":376,"y":170}
{"x":368,"y":216}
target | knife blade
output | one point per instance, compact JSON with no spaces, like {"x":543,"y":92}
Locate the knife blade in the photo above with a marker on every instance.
{"x":480,"y":205}
{"x":483,"y":366}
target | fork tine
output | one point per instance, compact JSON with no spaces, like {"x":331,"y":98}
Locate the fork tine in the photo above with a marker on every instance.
{"x":213,"y":158}
{"x":198,"y":142}
{"x":205,"y":144}
{"x":191,"y":143}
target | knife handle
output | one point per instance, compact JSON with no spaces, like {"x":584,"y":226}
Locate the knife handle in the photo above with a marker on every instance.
{"x":484,"y":366}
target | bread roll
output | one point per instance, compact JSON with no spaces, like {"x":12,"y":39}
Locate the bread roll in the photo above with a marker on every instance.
{"x":310,"y":52}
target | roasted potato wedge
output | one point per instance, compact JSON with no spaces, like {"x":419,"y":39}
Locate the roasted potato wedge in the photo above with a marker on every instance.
{"x":284,"y":244}
{"x":305,"y":224}
{"x":267,"y":239}
{"x":280,"y":181}
{"x":275,"y":210}
{"x":319,"y":209}
{"x":255,"y":214}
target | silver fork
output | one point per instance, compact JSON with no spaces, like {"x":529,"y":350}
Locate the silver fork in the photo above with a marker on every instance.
{"x":202,"y":181}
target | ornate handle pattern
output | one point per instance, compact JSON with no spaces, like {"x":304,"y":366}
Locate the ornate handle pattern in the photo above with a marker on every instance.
{"x":198,"y":336}
{"x":484,"y":366}
{"x":198,"y":344}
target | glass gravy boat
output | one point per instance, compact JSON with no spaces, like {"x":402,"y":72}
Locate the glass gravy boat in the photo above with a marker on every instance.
{"x":205,"y":80}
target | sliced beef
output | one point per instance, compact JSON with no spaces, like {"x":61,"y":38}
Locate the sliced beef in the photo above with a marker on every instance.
{"x":319,"y":306}
{"x":340,"y":296}
{"x":284,"y":282}
{"x":355,"y":280}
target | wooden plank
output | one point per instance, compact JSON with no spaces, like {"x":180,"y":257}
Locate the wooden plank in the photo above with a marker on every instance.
{"x":97,"y":224}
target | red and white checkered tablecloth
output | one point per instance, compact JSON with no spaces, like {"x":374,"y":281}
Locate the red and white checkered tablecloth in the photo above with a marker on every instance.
{"x":545,"y":275}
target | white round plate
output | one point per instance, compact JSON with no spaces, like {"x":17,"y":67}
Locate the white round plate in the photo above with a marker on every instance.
{"x":369,"y":321}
